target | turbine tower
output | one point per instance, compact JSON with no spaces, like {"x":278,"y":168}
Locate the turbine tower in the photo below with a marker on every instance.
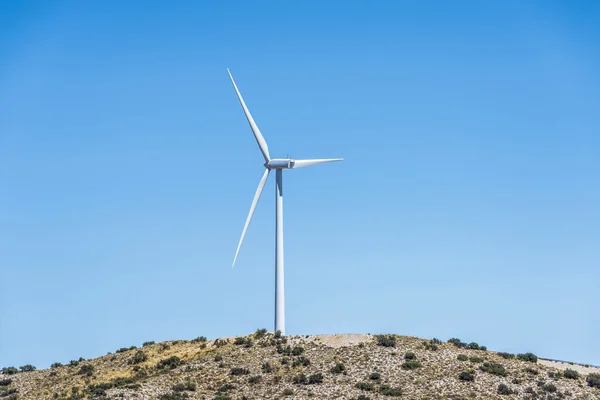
{"x":277,"y":164}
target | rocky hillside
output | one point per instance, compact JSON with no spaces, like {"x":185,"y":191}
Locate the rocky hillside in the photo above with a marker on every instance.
{"x":266,"y":366}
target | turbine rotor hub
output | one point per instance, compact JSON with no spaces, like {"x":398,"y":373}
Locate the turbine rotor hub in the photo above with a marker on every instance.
{"x":280,"y":163}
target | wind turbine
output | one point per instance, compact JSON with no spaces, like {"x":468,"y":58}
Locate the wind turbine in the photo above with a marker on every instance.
{"x":277,"y":164}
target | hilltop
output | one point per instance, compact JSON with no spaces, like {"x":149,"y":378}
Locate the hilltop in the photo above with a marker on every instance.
{"x":267,"y":366}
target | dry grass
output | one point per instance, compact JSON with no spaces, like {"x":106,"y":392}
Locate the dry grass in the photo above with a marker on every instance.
{"x":208,"y":367}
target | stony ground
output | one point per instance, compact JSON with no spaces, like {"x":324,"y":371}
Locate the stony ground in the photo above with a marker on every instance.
{"x":261,"y":366}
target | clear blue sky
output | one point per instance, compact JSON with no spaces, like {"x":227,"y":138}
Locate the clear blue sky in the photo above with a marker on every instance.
{"x":467,"y":204}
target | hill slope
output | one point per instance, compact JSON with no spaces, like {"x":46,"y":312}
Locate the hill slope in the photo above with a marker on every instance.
{"x":262,"y":366}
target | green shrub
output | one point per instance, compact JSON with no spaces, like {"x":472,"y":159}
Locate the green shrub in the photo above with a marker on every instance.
{"x":530,"y":357}
{"x":315,"y":378}
{"x":457,"y":342}
{"x":290,"y":351}
{"x":124,"y":349}
{"x":411,"y":364}
{"x":221,"y":396}
{"x":301,"y":361}
{"x":9,"y":370}
{"x":430,"y":346}
{"x":493,"y":368}
{"x":435,"y":341}
{"x":239,"y":341}
{"x":218,"y":358}
{"x":468,"y":376}
{"x":375,"y":376}
{"x":174,"y":396}
{"x":56,"y":365}
{"x":368,"y":387}
{"x":260,"y":333}
{"x":386,"y":390}
{"x":225,"y":388}
{"x":482,"y":348}
{"x":531,"y":371}
{"x":183,"y":386}
{"x":549,"y":387}
{"x":86,"y":369}
{"x":239,"y":371}
{"x":300,"y":379}
{"x":267,"y":368}
{"x":5,"y":382}
{"x":27,"y":368}
{"x":139,"y":357}
{"x":199,"y":339}
{"x":146,"y":344}
{"x":73,"y":363}
{"x":278,"y":334}
{"x":475,"y":359}
{"x":507,"y":356}
{"x":169,"y":363}
{"x":593,"y":380}
{"x":473,"y":346}
{"x":386,"y":340}
{"x":338,"y":368}
{"x":571,"y":374}
{"x":284,"y":360}
{"x":462,"y":357}
{"x":288,"y":392}
{"x":363,"y":397}
{"x":254,"y":379}
{"x":410,"y":356}
{"x":504,"y":390}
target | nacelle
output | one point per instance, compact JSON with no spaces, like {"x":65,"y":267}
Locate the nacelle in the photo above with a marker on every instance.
{"x":280,"y":163}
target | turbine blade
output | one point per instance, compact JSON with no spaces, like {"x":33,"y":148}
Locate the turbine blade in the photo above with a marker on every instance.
{"x":306,"y":163}
{"x":262,"y":144}
{"x":259,"y":190}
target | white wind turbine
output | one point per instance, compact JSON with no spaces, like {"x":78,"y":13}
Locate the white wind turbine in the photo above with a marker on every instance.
{"x":278,"y":164}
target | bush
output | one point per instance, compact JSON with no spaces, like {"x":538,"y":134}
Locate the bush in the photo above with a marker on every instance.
{"x":390,"y":391}
{"x":410,"y":356}
{"x":124,"y":349}
{"x":254,"y":379}
{"x":288,"y":392}
{"x":239,"y":371}
{"x":200,"y":339}
{"x":475,"y":359}
{"x":457,"y":342}
{"x":86,"y":369}
{"x":260,"y":333}
{"x":139,"y":357}
{"x":493,"y":368}
{"x":315,"y":378}
{"x":56,"y":365}
{"x":430,"y":346}
{"x":549,"y":387}
{"x":301,"y":361}
{"x":9,"y":370}
{"x":462,"y":357}
{"x":531,"y":371}
{"x":571,"y":374}
{"x":267,"y":368}
{"x":338,"y":368}
{"x":5,"y":382}
{"x":473,"y":346}
{"x":411,"y":364}
{"x":503,"y":389}
{"x":290,"y":351}
{"x":146,"y":344}
{"x":225,"y":388}
{"x":300,"y":379}
{"x":73,"y":363}
{"x":363,"y":397}
{"x":468,"y":376}
{"x":284,"y":360}
{"x":169,"y":363}
{"x":386,"y":340}
{"x":375,"y":376}
{"x":27,"y":368}
{"x":221,"y":397}
{"x":530,"y":357}
{"x":218,"y":358}
{"x":278,"y":334}
{"x":507,"y":356}
{"x":482,"y":348}
{"x":435,"y":341}
{"x":181,"y":387}
{"x":593,"y":380}
{"x":368,"y":387}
